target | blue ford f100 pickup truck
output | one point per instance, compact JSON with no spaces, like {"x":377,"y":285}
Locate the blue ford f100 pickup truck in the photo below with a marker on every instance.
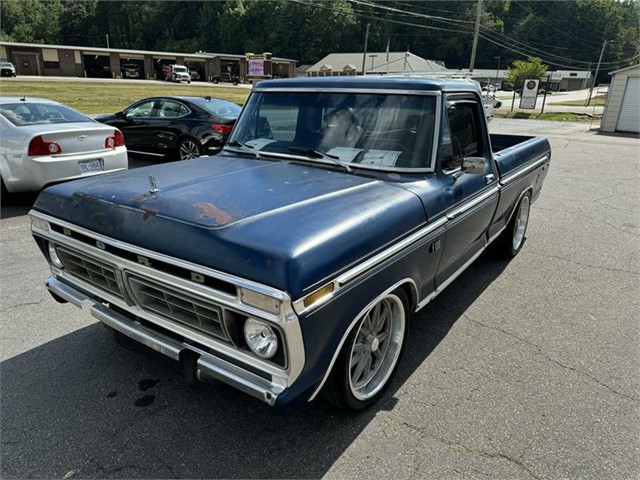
{"x":292,"y":261}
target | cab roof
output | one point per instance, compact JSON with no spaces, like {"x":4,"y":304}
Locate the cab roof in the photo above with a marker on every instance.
{"x":372,"y":82}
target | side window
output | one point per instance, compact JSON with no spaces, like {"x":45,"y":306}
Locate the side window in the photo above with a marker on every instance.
{"x":465,"y":132}
{"x":141,"y":110}
{"x":171,"y":109}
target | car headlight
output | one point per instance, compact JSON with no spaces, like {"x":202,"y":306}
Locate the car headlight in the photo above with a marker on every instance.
{"x":53,"y":256}
{"x":260,"y":338}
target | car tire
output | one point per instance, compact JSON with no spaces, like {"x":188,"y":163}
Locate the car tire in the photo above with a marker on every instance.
{"x":498,"y":104}
{"x":5,"y":196}
{"x":215,"y":80}
{"x":189,"y":148}
{"x":511,"y":240}
{"x":370,"y":355}
{"x":235,"y":82}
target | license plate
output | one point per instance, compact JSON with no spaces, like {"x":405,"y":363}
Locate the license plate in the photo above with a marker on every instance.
{"x":88,"y":166}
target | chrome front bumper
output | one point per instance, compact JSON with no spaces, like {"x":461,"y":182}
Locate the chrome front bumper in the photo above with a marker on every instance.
{"x":208,"y":366}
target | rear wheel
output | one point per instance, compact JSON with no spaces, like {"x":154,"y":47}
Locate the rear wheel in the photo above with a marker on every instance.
{"x":189,"y":148}
{"x":370,"y":355}
{"x":512,"y":238}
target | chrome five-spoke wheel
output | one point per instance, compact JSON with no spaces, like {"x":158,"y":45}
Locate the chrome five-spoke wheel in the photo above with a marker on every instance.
{"x":512,"y":238}
{"x":520,"y":225}
{"x":370,"y":355}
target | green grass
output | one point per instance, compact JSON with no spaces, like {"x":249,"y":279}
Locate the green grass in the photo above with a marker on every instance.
{"x":598,"y":100}
{"x":550,"y":116}
{"x":111,"y":97}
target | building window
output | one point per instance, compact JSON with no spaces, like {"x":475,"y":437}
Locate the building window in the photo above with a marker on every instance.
{"x":573,"y":74}
{"x":51,"y":65}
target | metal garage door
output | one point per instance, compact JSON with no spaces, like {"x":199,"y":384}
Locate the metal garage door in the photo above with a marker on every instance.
{"x":629,"y":119}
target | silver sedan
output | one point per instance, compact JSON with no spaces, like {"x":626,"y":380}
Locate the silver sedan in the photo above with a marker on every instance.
{"x":43,"y":142}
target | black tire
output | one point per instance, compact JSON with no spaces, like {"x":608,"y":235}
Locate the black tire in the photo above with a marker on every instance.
{"x":4,"y":193}
{"x":346,"y":387}
{"x":511,"y":240}
{"x":235,"y":82}
{"x":215,"y":80}
{"x":498,"y":104}
{"x":189,"y":148}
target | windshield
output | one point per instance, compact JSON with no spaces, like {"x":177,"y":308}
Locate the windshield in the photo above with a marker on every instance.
{"x":180,"y":69}
{"x":378,"y":130}
{"x":22,"y":114}
{"x":6,"y":65}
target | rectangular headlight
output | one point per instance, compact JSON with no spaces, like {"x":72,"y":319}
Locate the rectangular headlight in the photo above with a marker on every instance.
{"x":40,"y":224}
{"x":260,"y":301}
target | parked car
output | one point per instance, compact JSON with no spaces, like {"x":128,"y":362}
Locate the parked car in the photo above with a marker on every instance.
{"x":7,"y":69}
{"x":43,"y":142}
{"x":226,"y":77}
{"x":194,"y":75}
{"x":179,"y":128}
{"x":294,"y":261}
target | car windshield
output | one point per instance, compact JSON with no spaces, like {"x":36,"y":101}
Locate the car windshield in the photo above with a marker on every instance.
{"x":22,"y":114}
{"x":6,"y":65}
{"x":221,"y":108}
{"x":383,"y":130}
{"x":180,"y":69}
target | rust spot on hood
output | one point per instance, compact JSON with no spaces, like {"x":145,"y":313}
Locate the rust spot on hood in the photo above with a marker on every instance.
{"x":209,"y":211}
{"x":148,"y":211}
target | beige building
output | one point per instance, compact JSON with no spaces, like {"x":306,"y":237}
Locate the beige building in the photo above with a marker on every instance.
{"x":74,"y":61}
{"x":622,"y":110}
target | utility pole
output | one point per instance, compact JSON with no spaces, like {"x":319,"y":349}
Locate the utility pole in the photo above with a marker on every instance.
{"x":475,"y":37}
{"x":497,"y":73}
{"x":107,"y":37}
{"x":597,"y":69}
{"x":364,"y":55}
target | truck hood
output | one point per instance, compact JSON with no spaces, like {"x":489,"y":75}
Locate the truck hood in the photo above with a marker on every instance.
{"x":286,"y":225}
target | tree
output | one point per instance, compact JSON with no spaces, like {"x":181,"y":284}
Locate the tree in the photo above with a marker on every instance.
{"x":532,"y":68}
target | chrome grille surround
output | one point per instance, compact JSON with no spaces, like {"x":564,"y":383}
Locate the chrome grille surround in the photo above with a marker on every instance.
{"x":193,"y":311}
{"x":286,"y":320}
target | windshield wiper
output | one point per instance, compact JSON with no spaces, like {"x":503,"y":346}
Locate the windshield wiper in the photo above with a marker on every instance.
{"x":245,"y":148}
{"x":311,"y":153}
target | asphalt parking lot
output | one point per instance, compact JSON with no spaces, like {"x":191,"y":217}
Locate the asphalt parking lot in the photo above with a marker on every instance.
{"x":524,"y":369}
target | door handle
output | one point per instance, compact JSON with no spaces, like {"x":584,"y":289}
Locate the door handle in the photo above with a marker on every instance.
{"x":489,"y":178}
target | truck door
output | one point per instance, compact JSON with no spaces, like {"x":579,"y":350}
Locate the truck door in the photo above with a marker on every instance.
{"x":469,"y":182}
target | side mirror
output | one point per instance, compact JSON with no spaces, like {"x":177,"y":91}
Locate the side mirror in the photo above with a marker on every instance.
{"x":119,"y":115}
{"x":473,"y":165}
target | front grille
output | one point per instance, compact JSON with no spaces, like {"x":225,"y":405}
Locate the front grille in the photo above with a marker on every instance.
{"x":89,"y":269}
{"x":190,"y":310}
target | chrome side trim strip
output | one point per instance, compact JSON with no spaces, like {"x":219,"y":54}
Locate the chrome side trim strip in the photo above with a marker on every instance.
{"x":348,"y":331}
{"x":145,"y":153}
{"x":471,"y":204}
{"x":391,"y":251}
{"x":350,"y":275}
{"x":523,"y":170}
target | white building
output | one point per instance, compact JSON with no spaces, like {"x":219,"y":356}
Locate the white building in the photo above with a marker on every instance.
{"x":375,"y":63}
{"x":622,"y":110}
